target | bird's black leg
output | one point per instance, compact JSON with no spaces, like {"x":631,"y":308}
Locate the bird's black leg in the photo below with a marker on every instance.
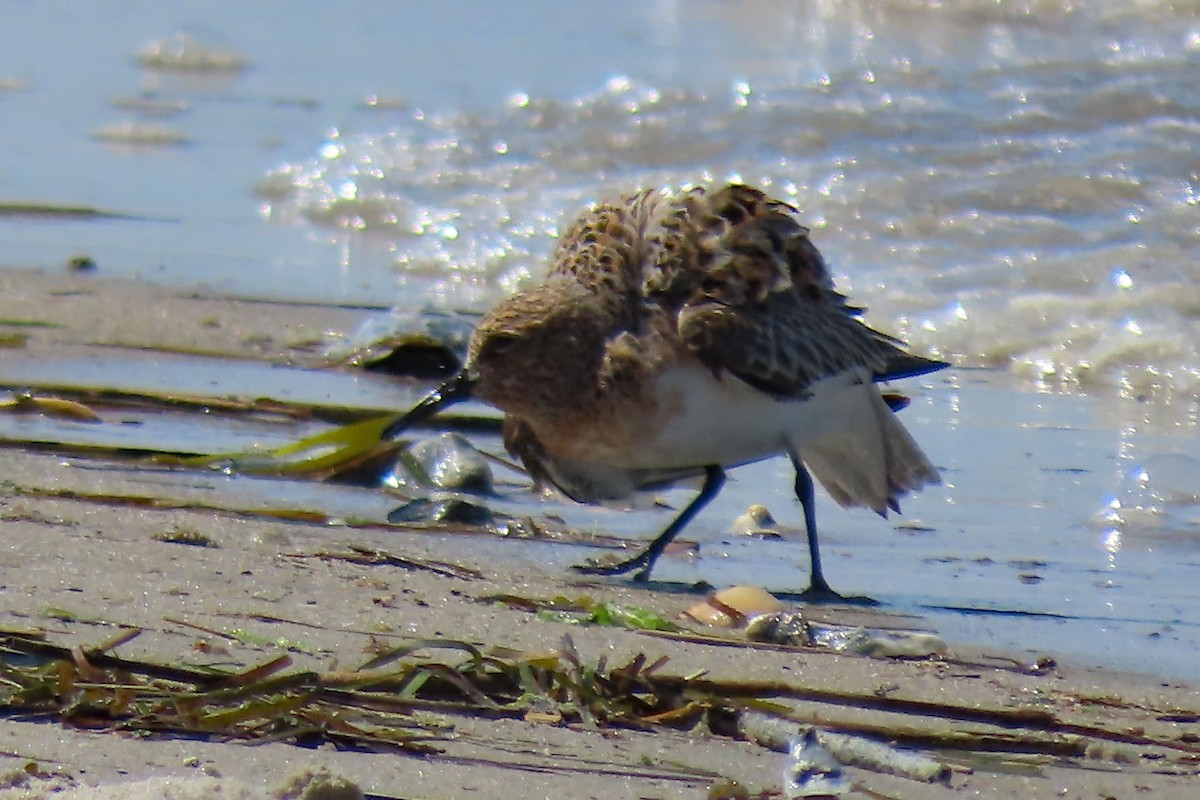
{"x":817,"y":585}
{"x":714,"y":478}
{"x":819,"y":590}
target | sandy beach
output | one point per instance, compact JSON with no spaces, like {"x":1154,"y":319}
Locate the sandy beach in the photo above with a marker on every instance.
{"x":199,"y":198}
{"x":77,"y":564}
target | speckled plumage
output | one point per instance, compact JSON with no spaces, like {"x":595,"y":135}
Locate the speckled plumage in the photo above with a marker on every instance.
{"x":678,"y":332}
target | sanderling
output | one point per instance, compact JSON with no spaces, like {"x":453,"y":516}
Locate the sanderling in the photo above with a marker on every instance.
{"x":682,"y":332}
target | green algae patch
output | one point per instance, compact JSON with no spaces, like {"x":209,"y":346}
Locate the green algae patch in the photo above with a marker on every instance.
{"x":586,"y":611}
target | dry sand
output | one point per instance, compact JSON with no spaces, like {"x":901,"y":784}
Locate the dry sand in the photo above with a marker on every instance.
{"x":103,"y":561}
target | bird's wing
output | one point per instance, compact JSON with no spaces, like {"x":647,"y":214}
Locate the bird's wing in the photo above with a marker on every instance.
{"x":788,"y":343}
{"x":750,"y":295}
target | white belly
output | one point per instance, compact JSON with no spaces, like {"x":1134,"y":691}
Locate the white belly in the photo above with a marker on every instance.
{"x":701,"y":420}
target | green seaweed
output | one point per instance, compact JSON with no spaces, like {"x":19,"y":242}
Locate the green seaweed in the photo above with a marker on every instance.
{"x":322,"y":454}
{"x":586,"y":611}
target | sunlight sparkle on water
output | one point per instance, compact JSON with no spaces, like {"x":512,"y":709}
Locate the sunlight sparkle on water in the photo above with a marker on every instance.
{"x":618,"y":84}
{"x":332,"y":149}
{"x":1112,"y":545}
{"x":742,"y":92}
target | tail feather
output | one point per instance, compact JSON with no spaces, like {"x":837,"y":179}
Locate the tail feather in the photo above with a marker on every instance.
{"x":871,"y":464}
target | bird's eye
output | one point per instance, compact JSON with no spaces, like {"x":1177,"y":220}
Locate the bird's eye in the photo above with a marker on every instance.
{"x":500,"y":343}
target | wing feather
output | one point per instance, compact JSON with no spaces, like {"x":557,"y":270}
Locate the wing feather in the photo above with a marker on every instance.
{"x":750,"y":295}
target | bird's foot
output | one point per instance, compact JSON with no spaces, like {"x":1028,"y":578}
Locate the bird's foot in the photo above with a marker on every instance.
{"x":819,"y":592}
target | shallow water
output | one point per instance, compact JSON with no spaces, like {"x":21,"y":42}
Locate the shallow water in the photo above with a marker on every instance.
{"x":1004,"y":185}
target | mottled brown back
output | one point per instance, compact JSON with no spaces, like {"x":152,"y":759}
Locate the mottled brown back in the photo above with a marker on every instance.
{"x":737,"y":278}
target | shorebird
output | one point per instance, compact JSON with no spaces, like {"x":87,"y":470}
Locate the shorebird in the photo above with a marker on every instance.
{"x":681,"y":332}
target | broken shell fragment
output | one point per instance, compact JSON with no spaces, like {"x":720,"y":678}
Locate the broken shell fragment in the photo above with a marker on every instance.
{"x":757,"y":521}
{"x":812,"y":771}
{"x":747,"y":600}
{"x":732,"y":606}
{"x":708,"y":615}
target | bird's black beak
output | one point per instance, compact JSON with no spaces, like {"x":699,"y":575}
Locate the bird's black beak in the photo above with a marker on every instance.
{"x":452,"y":391}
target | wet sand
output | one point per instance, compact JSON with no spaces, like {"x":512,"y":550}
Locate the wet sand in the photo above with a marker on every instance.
{"x":101,"y":561}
